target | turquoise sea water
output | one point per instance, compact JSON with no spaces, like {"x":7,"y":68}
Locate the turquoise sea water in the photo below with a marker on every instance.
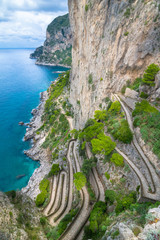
{"x":21,"y":81}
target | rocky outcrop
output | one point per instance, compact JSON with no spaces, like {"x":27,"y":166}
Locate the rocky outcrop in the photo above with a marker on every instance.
{"x":113,"y":41}
{"x":131,"y":93}
{"x":37,"y":53}
{"x":58,"y":44}
{"x":19,"y":218}
{"x":37,"y":153}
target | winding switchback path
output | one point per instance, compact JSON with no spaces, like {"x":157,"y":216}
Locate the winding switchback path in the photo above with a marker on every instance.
{"x":155,"y":195}
{"x":81,"y":218}
{"x":61,"y":200}
{"x":52,"y":198}
{"x":96,"y":176}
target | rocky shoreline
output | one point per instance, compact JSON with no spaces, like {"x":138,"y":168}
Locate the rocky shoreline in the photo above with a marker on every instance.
{"x":36,"y":152}
{"x":51,"y":64}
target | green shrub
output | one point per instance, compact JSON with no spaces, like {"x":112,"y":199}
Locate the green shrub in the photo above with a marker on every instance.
{"x":149,"y":124}
{"x":43,"y":221}
{"x":83,"y":145}
{"x":97,"y":215}
{"x":127,"y":13}
{"x":53,"y":234}
{"x":54,"y":170}
{"x":20,"y":218}
{"x":136,"y":122}
{"x":136,"y":84}
{"x":89,"y":122}
{"x":117,"y":159}
{"x":115,"y":234}
{"x":90,"y":79}
{"x":75,"y":133}
{"x":41,"y":197}
{"x":126,"y":33}
{"x":79,"y":180}
{"x":87,"y":165}
{"x":115,"y":108}
{"x":91,"y":192}
{"x":123,"y":89}
{"x":44,"y":185}
{"x":11,"y":194}
{"x":107,"y":175}
{"x":124,"y":134}
{"x":142,"y":107}
{"x":103,"y":144}
{"x":125,"y":202}
{"x":86,"y":7}
{"x":110,"y":196}
{"x":150,"y":73}
{"x":91,"y":131}
{"x":143,"y":95}
{"x":100,"y":115}
{"x":66,"y":220}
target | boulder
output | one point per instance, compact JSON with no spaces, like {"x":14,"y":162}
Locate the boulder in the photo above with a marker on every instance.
{"x":155,"y":212}
{"x":126,"y":233}
{"x":21,"y":123}
{"x":34,"y":112}
{"x":157,"y":80}
{"x":131,"y":93}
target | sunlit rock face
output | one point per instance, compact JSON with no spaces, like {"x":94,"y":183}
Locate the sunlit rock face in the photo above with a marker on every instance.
{"x":113,"y":41}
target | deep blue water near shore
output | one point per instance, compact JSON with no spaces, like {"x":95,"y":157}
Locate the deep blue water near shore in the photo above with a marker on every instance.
{"x":21,"y":81}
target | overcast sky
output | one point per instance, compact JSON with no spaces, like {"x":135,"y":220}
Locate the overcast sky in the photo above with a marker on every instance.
{"x":23,"y":23}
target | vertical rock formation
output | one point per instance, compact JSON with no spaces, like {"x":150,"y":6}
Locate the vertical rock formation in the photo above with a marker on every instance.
{"x":58,"y":44}
{"x":113,"y":41}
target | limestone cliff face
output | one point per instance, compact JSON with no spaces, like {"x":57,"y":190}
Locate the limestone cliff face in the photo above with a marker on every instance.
{"x":113,"y":41}
{"x":58,"y":44}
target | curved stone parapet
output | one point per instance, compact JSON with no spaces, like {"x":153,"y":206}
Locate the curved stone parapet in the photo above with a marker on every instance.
{"x":155,"y":195}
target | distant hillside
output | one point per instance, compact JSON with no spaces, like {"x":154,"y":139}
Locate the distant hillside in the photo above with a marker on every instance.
{"x":58,"y":44}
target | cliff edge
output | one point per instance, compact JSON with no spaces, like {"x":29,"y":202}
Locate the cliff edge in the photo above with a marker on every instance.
{"x":113,"y":41}
{"x":58,"y":44}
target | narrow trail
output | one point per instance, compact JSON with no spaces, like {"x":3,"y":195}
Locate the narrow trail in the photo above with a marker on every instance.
{"x":96,"y":176}
{"x":75,"y":229}
{"x":53,"y":195}
{"x":61,"y":199}
{"x":155,"y":195}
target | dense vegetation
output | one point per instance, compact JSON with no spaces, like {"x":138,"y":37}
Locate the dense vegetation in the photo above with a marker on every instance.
{"x":54,"y":233}
{"x":79,"y":180}
{"x":148,"y":79}
{"x":150,"y":73}
{"x":44,"y":188}
{"x":60,"y":57}
{"x":147,"y":118}
{"x":54,"y":170}
{"x":117,"y":124}
{"x":53,"y":120}
{"x":58,"y":23}
{"x":125,"y":206}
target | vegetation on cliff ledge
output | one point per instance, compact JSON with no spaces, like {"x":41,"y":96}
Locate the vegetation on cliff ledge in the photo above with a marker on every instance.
{"x":54,"y":121}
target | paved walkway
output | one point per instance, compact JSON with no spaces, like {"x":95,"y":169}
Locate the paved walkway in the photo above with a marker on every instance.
{"x":84,"y":213}
{"x":52,"y":198}
{"x":155,"y":179}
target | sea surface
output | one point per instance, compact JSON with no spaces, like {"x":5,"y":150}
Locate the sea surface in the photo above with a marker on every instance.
{"x":21,"y":82}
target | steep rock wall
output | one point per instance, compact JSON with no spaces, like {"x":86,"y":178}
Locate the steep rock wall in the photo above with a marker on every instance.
{"x":113,"y":41}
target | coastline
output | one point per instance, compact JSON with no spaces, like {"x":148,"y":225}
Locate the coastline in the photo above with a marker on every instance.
{"x":51,"y":65}
{"x":37,"y":153}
